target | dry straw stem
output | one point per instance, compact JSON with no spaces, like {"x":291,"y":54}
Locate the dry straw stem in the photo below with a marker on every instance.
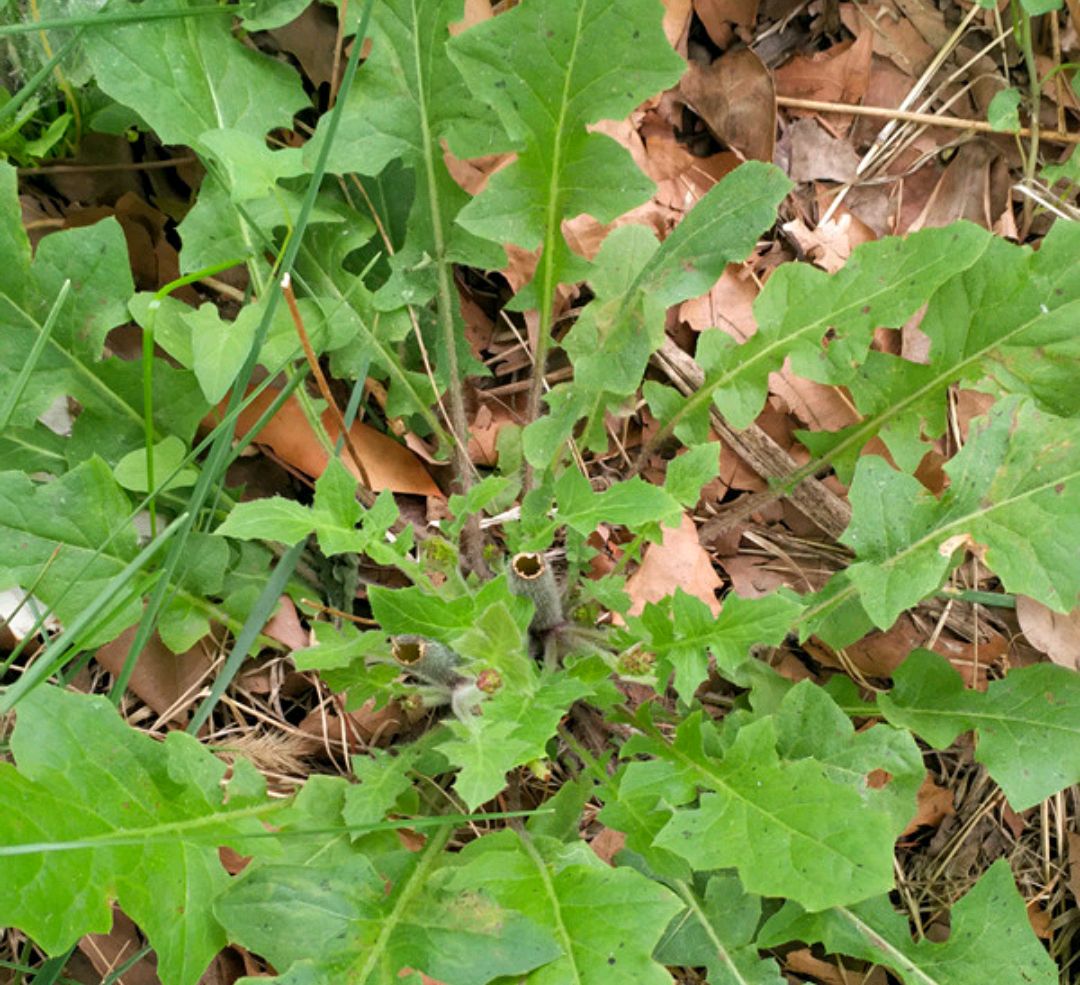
{"x":532,"y":577}
{"x":927,"y":119}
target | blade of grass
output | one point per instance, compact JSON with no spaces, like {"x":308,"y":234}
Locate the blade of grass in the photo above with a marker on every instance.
{"x":15,"y":393}
{"x":35,"y":82}
{"x":102,"y":20}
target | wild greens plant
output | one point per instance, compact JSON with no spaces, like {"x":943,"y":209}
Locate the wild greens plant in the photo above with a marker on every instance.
{"x":742,"y":833}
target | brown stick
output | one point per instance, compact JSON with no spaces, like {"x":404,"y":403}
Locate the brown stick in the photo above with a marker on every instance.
{"x":927,"y":119}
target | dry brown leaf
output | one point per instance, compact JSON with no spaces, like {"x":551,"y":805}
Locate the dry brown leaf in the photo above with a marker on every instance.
{"x":607,"y":844}
{"x":802,"y":962}
{"x":891,"y":34}
{"x":311,"y":38}
{"x":677,"y":23}
{"x":932,"y":805}
{"x":829,"y":245}
{"x":715,"y":15}
{"x":678,"y":561}
{"x":160,"y":678}
{"x":839,"y":75}
{"x":818,"y":406}
{"x":290,"y":437}
{"x":1054,"y":633}
{"x":284,"y":625}
{"x":817,"y":155}
{"x":728,"y":306}
{"x":1074,"y":865}
{"x":736,"y":100}
{"x":970,"y":188}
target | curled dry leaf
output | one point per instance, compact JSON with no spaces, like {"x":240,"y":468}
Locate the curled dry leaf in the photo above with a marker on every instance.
{"x":932,"y":805}
{"x":1054,"y":633}
{"x":890,"y":34}
{"x":678,"y":561}
{"x":290,"y":437}
{"x":735,"y":98}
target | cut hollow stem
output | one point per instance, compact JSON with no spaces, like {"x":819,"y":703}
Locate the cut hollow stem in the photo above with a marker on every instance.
{"x":531,"y":576}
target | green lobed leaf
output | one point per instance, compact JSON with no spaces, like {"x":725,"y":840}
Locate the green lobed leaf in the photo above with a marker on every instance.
{"x":716,"y":931}
{"x":606,"y":921}
{"x":1012,"y":497}
{"x":152,"y":816}
{"x":406,"y":102}
{"x":513,"y":729}
{"x":76,"y":512}
{"x":990,"y":938}
{"x":188,"y":75}
{"x":882,"y":285}
{"x":548,"y":71}
{"x":682,"y":632}
{"x":791,"y":827}
{"x":1005,"y":323}
{"x":366,"y":920}
{"x":1027,"y":725}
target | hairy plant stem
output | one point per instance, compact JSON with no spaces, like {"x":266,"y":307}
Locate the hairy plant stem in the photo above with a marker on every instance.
{"x":1022,"y":22}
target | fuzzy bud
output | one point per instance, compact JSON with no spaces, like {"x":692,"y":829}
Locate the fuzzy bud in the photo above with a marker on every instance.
{"x":426,"y":659}
{"x":489,"y":680}
{"x":532,"y":577}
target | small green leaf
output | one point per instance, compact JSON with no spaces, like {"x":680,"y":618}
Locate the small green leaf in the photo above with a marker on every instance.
{"x":168,"y":453}
{"x":599,"y":61}
{"x":716,"y":931}
{"x":1003,"y":113}
{"x":1034,"y":709}
{"x":1013,"y":497}
{"x":690,"y":471}
{"x":218,"y":349}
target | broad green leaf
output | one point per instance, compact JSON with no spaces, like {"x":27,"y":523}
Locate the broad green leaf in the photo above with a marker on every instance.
{"x":1003,"y":113}
{"x":632,"y":503}
{"x":148,"y":817}
{"x":252,"y":170}
{"x":690,"y":471}
{"x":410,"y":610}
{"x":1027,"y":725}
{"x":606,"y":921}
{"x":272,"y":518}
{"x":809,"y":724}
{"x":357,"y":923}
{"x":548,"y":71}
{"x":1005,"y":323}
{"x":77,"y":512}
{"x":188,"y":75}
{"x":882,"y":285}
{"x":990,"y":937}
{"x":789,"y":827}
{"x":408,"y":99}
{"x":1012,"y":497}
{"x":14,"y":244}
{"x":109,"y":391}
{"x":682,"y":631}
{"x":716,"y":931}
